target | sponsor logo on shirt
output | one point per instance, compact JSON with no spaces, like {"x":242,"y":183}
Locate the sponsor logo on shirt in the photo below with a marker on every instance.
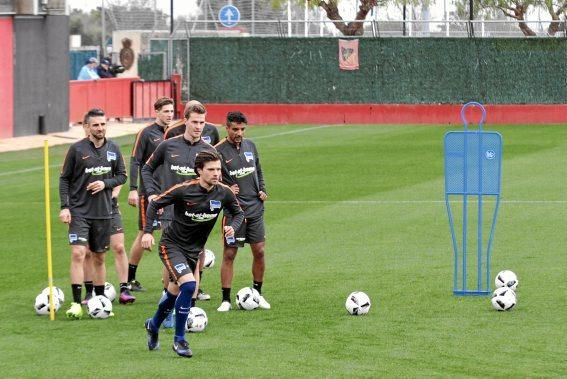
{"x":242,"y":172}
{"x":183,"y":170}
{"x":214,"y":204}
{"x":98,"y":170}
{"x":110,"y":156}
{"x":201,"y":217}
{"x":249,"y":156}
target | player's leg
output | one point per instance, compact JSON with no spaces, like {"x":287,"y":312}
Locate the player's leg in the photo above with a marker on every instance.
{"x":121,"y":266}
{"x":227,"y":273}
{"x":202,"y":295}
{"x":78,"y":239}
{"x":88,"y":270}
{"x":256,"y":237}
{"x":136,"y":250}
{"x":187,"y":285}
{"x":99,"y":242}
{"x":169,"y":321}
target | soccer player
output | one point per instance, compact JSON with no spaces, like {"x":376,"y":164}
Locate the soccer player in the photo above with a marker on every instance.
{"x":196,"y":206}
{"x":116,"y":245}
{"x":210,"y":132}
{"x":241,"y":170}
{"x":146,"y":142}
{"x":93,"y":166}
{"x":176,"y":156}
{"x":211,"y":136}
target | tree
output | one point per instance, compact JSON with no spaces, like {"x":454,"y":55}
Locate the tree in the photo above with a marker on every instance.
{"x":353,"y":28}
{"x":556,"y":9}
{"x":516,"y":9}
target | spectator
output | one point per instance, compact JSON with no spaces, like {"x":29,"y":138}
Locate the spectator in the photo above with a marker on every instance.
{"x":88,"y":71}
{"x":103,"y":70}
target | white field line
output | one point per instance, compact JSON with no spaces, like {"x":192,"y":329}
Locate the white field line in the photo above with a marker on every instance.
{"x":31,"y":169}
{"x":377,"y":202}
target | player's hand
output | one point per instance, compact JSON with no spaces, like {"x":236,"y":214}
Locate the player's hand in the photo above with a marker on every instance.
{"x":65,"y":216}
{"x":147,"y":241}
{"x":228,"y":231}
{"x":235,"y":189}
{"x":262,"y":195}
{"x":133,"y":198}
{"x":96,"y":187}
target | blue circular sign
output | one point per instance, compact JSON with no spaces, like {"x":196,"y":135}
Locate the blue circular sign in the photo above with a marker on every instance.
{"x":229,"y":16}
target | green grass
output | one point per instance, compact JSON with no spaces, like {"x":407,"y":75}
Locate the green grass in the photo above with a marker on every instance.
{"x":350,"y":208}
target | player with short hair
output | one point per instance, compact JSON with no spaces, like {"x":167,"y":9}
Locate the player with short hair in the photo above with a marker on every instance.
{"x":146,"y":142}
{"x":210,"y":135}
{"x":92,"y":167}
{"x":196,"y":206}
{"x":241,"y":170}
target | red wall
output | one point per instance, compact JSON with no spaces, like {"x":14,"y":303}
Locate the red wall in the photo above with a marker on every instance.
{"x":6,"y":78}
{"x":387,"y":113}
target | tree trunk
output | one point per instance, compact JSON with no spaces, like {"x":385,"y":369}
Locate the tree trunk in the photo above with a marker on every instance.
{"x":355,"y":28}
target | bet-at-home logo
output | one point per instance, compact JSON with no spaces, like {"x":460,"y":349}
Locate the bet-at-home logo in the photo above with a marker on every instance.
{"x":183,"y":170}
{"x":201,"y":217}
{"x":99,"y":170}
{"x":242,"y":172}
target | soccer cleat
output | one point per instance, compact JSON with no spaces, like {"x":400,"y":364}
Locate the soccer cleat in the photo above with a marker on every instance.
{"x":224,"y":307}
{"x":262,"y":303}
{"x":182,"y":349}
{"x":135,"y":286}
{"x":153,"y":337}
{"x":203,"y":296}
{"x":169,"y":321}
{"x":126,"y":297}
{"x":87,"y":298}
{"x":75,"y":311}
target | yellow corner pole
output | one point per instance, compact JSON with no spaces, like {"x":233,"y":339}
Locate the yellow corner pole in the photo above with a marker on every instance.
{"x":48,"y":229}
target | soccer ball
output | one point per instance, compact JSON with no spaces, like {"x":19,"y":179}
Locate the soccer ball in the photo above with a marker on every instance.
{"x":506,"y":278}
{"x":197,"y":320}
{"x":358,"y":303}
{"x":247,"y":298}
{"x":42,"y":304}
{"x":503,"y":299}
{"x":209,"y":259}
{"x":57,"y":292}
{"x":99,"y":307}
{"x":109,"y":291}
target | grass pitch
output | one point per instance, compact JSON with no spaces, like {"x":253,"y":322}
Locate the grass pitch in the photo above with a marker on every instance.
{"x":350,"y":208}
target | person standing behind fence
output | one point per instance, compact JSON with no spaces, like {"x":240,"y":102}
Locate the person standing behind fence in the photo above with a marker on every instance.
{"x":88,"y":71}
{"x":93,"y":166}
{"x":146,"y":142}
{"x":241,"y":171}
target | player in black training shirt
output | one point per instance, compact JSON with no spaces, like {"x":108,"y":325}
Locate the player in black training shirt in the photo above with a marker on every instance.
{"x":196,"y":206}
{"x":241,"y":170}
{"x":93,"y":166}
{"x":146,"y":142}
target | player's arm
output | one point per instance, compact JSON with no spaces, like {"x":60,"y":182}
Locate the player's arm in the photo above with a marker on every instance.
{"x":262,"y":193}
{"x":154,"y":161}
{"x":232,"y":208}
{"x":215,"y":137}
{"x":136,"y":160}
{"x":65,"y":185}
{"x":161,"y":201}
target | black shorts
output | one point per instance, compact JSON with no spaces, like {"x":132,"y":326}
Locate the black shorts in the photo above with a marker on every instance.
{"x":252,"y":230}
{"x":142,"y":209}
{"x":94,"y":233}
{"x":176,"y":261}
{"x":116,"y":226}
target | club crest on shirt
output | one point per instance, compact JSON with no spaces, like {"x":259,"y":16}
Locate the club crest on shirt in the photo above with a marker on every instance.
{"x":180,"y":267}
{"x":110,"y":156}
{"x":207,"y":139}
{"x":214,"y":204}
{"x":249,"y":156}
{"x":72,"y":238}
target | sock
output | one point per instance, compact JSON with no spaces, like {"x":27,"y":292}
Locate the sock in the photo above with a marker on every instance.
{"x":200,"y":277}
{"x":89,"y":287}
{"x":76,"y":290}
{"x":123,"y":287}
{"x":193,"y":301}
{"x":226,"y":294}
{"x":258,"y":286}
{"x":132,"y":272}
{"x":182,"y":306}
{"x":99,"y":290}
{"x":165,"y":307}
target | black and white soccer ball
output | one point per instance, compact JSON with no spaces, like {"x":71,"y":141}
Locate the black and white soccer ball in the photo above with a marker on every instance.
{"x":358,"y":303}
{"x":247,"y":299}
{"x":42,"y":305}
{"x":57,"y":292}
{"x":99,"y":307}
{"x":109,"y":291}
{"x":209,"y":260}
{"x":503,"y":299}
{"x":197,"y":320}
{"x":506,"y":278}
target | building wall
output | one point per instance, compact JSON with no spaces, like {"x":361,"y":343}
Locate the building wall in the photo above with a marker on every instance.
{"x":6,"y":77}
